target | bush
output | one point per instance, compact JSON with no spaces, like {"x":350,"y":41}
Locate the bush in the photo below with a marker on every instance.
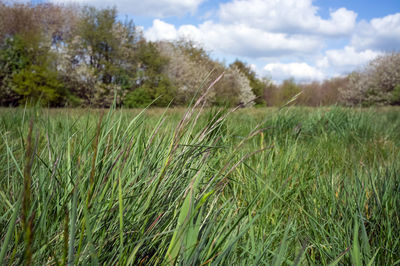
{"x":158,"y":89}
{"x":395,"y":99}
{"x":38,"y":84}
{"x":138,"y":98}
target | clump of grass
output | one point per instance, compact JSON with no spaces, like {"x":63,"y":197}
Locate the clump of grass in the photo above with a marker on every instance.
{"x":262,"y":186}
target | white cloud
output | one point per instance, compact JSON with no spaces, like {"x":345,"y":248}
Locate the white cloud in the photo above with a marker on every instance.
{"x":273,"y":30}
{"x":298,"y":71}
{"x":287,"y":16}
{"x":242,"y":40}
{"x":237,"y":39}
{"x":161,"y":31}
{"x":342,"y":22}
{"x":156,"y":8}
{"x":347,"y":58}
{"x":379,"y":34}
{"x":259,"y":29}
{"x":191,"y":32}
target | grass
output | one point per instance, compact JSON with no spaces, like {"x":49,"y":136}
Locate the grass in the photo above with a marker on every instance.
{"x":295,"y":186}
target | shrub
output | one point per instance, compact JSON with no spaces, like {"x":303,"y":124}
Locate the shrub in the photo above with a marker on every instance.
{"x":158,"y":89}
{"x":395,"y":100}
{"x":137,"y":98}
{"x":38,"y":84}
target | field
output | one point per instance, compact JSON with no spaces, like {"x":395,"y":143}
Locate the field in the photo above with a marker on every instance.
{"x":291,"y":186}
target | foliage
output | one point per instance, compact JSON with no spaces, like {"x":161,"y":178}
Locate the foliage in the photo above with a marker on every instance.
{"x":98,"y":62}
{"x":138,"y":98}
{"x":36,"y":83}
{"x":321,"y":93}
{"x":190,"y":67}
{"x":13,"y":58}
{"x":159,"y":91}
{"x":286,"y":91}
{"x":26,"y":69}
{"x":395,"y":99}
{"x":19,"y":19}
{"x":151,"y":83}
{"x":95,"y":58}
{"x":246,"y":91}
{"x":310,"y":94}
{"x":234,"y":89}
{"x":257,"y":85}
{"x":98,"y":42}
{"x":376,"y":84}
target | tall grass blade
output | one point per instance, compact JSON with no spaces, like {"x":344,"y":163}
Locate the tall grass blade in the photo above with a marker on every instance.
{"x":10,"y":230}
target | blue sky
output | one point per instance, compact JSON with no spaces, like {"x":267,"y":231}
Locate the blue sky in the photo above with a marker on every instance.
{"x":301,"y":39}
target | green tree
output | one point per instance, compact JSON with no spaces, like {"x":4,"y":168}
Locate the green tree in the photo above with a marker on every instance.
{"x":151,"y":83}
{"x":287,"y":90}
{"x":29,"y":40}
{"x":395,"y":99}
{"x":27,"y":73}
{"x":161,"y":92}
{"x":13,"y":58}
{"x":99,"y":59}
{"x":96,"y":31}
{"x":38,"y":83}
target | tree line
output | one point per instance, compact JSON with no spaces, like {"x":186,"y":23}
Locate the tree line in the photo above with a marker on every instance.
{"x":70,"y":55}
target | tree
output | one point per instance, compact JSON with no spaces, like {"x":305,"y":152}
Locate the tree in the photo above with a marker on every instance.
{"x":54,"y":22}
{"x":18,"y":19}
{"x":256,"y":84}
{"x":270,"y":93}
{"x":376,"y":84}
{"x":13,"y":58}
{"x":28,"y":41}
{"x":27,"y":73}
{"x":187,"y":68}
{"x":191,"y":68}
{"x":98,"y":62}
{"x":19,"y":36}
{"x":244,"y":94}
{"x":151,"y":82}
{"x":38,"y":84}
{"x":287,"y":90}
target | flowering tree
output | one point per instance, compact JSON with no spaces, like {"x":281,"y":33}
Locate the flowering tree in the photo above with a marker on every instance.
{"x":191,"y":69}
{"x":377,"y":84}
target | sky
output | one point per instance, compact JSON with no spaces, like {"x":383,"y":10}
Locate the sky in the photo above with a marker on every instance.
{"x":301,"y":39}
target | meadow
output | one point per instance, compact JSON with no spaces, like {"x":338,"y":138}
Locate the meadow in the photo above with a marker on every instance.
{"x":256,"y":186}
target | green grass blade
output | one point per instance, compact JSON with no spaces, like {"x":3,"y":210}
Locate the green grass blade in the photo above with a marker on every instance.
{"x":10,"y":230}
